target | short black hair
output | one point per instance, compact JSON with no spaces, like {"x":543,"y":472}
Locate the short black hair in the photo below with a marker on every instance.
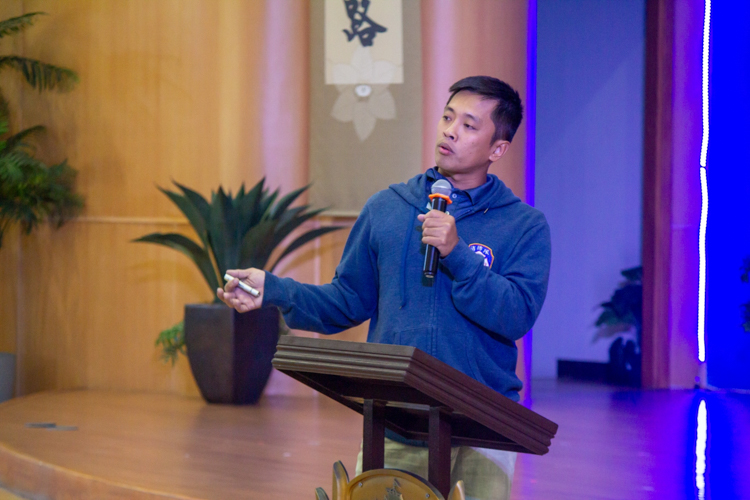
{"x":507,"y":114}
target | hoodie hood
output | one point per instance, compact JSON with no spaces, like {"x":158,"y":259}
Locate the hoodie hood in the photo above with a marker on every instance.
{"x":416,"y":191}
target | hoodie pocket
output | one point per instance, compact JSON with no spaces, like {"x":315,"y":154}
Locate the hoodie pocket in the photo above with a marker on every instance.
{"x":493,"y":363}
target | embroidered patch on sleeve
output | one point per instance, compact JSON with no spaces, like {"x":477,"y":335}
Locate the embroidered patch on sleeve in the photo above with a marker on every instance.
{"x":484,"y":251}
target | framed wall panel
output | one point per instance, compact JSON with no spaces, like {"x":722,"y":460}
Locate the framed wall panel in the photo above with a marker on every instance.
{"x":365,"y":133}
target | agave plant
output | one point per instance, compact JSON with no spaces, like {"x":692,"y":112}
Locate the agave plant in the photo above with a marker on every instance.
{"x":238,"y":232}
{"x":30,"y":190}
{"x":234,"y":233}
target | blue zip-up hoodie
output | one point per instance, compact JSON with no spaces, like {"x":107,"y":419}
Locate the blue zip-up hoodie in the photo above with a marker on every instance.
{"x":469,"y":316}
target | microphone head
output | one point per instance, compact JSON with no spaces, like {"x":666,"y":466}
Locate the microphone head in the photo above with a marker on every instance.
{"x":443,"y":187}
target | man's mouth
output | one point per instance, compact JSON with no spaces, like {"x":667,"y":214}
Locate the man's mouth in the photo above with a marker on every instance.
{"x":444,"y":148}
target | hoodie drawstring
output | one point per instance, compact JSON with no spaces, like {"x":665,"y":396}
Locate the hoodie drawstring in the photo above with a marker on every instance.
{"x":405,"y":253}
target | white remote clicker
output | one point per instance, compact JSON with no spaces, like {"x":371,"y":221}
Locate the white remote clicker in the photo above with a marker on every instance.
{"x":252,"y":291}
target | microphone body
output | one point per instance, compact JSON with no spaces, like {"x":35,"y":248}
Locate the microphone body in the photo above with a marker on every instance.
{"x":440,"y":199}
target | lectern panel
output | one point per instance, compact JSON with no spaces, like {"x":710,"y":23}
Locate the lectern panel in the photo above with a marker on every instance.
{"x":409,"y":382}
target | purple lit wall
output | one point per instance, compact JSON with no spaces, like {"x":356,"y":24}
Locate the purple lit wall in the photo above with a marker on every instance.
{"x":589,"y":162}
{"x":728,"y":165}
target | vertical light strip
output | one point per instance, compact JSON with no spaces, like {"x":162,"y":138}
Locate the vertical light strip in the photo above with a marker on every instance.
{"x":701,"y":437}
{"x":706,"y":36}
{"x":704,"y":192}
{"x":702,"y":269}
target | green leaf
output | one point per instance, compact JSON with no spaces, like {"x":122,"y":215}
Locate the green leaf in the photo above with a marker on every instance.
{"x":256,"y":245}
{"x":607,"y":317}
{"x":634,"y":274}
{"x":198,"y":201}
{"x":286,"y":228}
{"x":15,"y":24}
{"x":41,"y":76}
{"x":191,"y":212}
{"x":188,"y":247}
{"x":16,"y":140}
{"x":223,"y":232}
{"x":31,"y":191}
{"x":305,"y":238}
{"x":248,"y":207}
{"x":285,"y":202}
{"x":267,"y":202}
{"x":172,"y":342}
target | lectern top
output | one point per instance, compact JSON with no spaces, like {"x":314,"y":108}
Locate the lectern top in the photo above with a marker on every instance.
{"x":409,"y":382}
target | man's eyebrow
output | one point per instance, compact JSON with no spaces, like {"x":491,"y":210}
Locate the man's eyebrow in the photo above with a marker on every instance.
{"x":468,"y":115}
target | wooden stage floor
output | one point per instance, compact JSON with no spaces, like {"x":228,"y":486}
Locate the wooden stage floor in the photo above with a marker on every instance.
{"x":612,"y":444}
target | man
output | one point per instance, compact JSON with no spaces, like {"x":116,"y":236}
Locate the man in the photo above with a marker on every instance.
{"x":491,"y":282}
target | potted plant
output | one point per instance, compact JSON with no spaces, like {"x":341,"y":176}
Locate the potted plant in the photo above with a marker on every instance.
{"x":30,"y":190}
{"x":230,"y":353}
{"x":623,"y":313}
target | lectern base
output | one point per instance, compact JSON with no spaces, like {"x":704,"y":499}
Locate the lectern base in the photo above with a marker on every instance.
{"x":384,"y":484}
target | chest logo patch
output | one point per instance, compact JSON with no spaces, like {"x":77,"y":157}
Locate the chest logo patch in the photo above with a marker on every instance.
{"x":483,"y":251}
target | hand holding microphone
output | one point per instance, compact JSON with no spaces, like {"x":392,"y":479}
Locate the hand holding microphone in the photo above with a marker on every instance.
{"x":438,"y":228}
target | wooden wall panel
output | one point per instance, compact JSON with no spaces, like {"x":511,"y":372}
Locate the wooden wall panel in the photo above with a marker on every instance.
{"x":169,"y":90}
{"x":93,"y":304}
{"x":166,"y":92}
{"x":9,"y":267}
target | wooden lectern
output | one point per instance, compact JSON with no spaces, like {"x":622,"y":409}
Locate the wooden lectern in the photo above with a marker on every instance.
{"x":415,"y":395}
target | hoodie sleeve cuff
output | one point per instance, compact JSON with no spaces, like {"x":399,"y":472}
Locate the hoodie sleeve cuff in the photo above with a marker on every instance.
{"x":462,"y":262}
{"x":275,"y":293}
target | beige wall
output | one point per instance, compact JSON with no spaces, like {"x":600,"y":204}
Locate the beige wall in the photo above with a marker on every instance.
{"x":479,"y":37}
{"x":169,"y":90}
{"x":205,"y":92}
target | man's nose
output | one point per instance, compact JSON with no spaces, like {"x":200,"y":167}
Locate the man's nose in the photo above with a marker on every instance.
{"x":450,"y":131}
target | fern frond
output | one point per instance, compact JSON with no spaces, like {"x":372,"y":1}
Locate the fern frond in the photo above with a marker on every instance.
{"x":41,"y":76}
{"x":15,"y":24}
{"x":15,"y":141}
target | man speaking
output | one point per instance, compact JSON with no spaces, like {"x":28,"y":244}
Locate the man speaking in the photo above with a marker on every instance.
{"x":490,"y":283}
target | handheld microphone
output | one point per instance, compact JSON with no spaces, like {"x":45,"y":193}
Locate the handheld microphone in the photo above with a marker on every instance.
{"x":440,"y":198}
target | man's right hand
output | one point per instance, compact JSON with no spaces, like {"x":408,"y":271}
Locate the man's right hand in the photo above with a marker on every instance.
{"x":237,"y":298}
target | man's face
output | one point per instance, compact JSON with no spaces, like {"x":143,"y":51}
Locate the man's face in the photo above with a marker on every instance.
{"x":464,"y":140}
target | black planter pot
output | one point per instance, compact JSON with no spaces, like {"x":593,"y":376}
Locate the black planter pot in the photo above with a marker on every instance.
{"x":230,"y":353}
{"x":624,"y":367}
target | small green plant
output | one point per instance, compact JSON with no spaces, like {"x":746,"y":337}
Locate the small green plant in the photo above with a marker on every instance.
{"x":30,"y":190}
{"x":172,"y":342}
{"x":624,"y":309}
{"x":234,"y":232}
{"x":745,"y":308}
{"x":622,"y":312}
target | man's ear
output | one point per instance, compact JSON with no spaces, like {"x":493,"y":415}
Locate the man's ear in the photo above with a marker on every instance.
{"x":499,"y":148}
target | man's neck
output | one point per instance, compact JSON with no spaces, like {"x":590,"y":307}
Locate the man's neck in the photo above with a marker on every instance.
{"x":466,"y":180}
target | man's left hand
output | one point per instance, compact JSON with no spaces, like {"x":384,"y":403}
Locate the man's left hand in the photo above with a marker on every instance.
{"x":439,"y":230}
